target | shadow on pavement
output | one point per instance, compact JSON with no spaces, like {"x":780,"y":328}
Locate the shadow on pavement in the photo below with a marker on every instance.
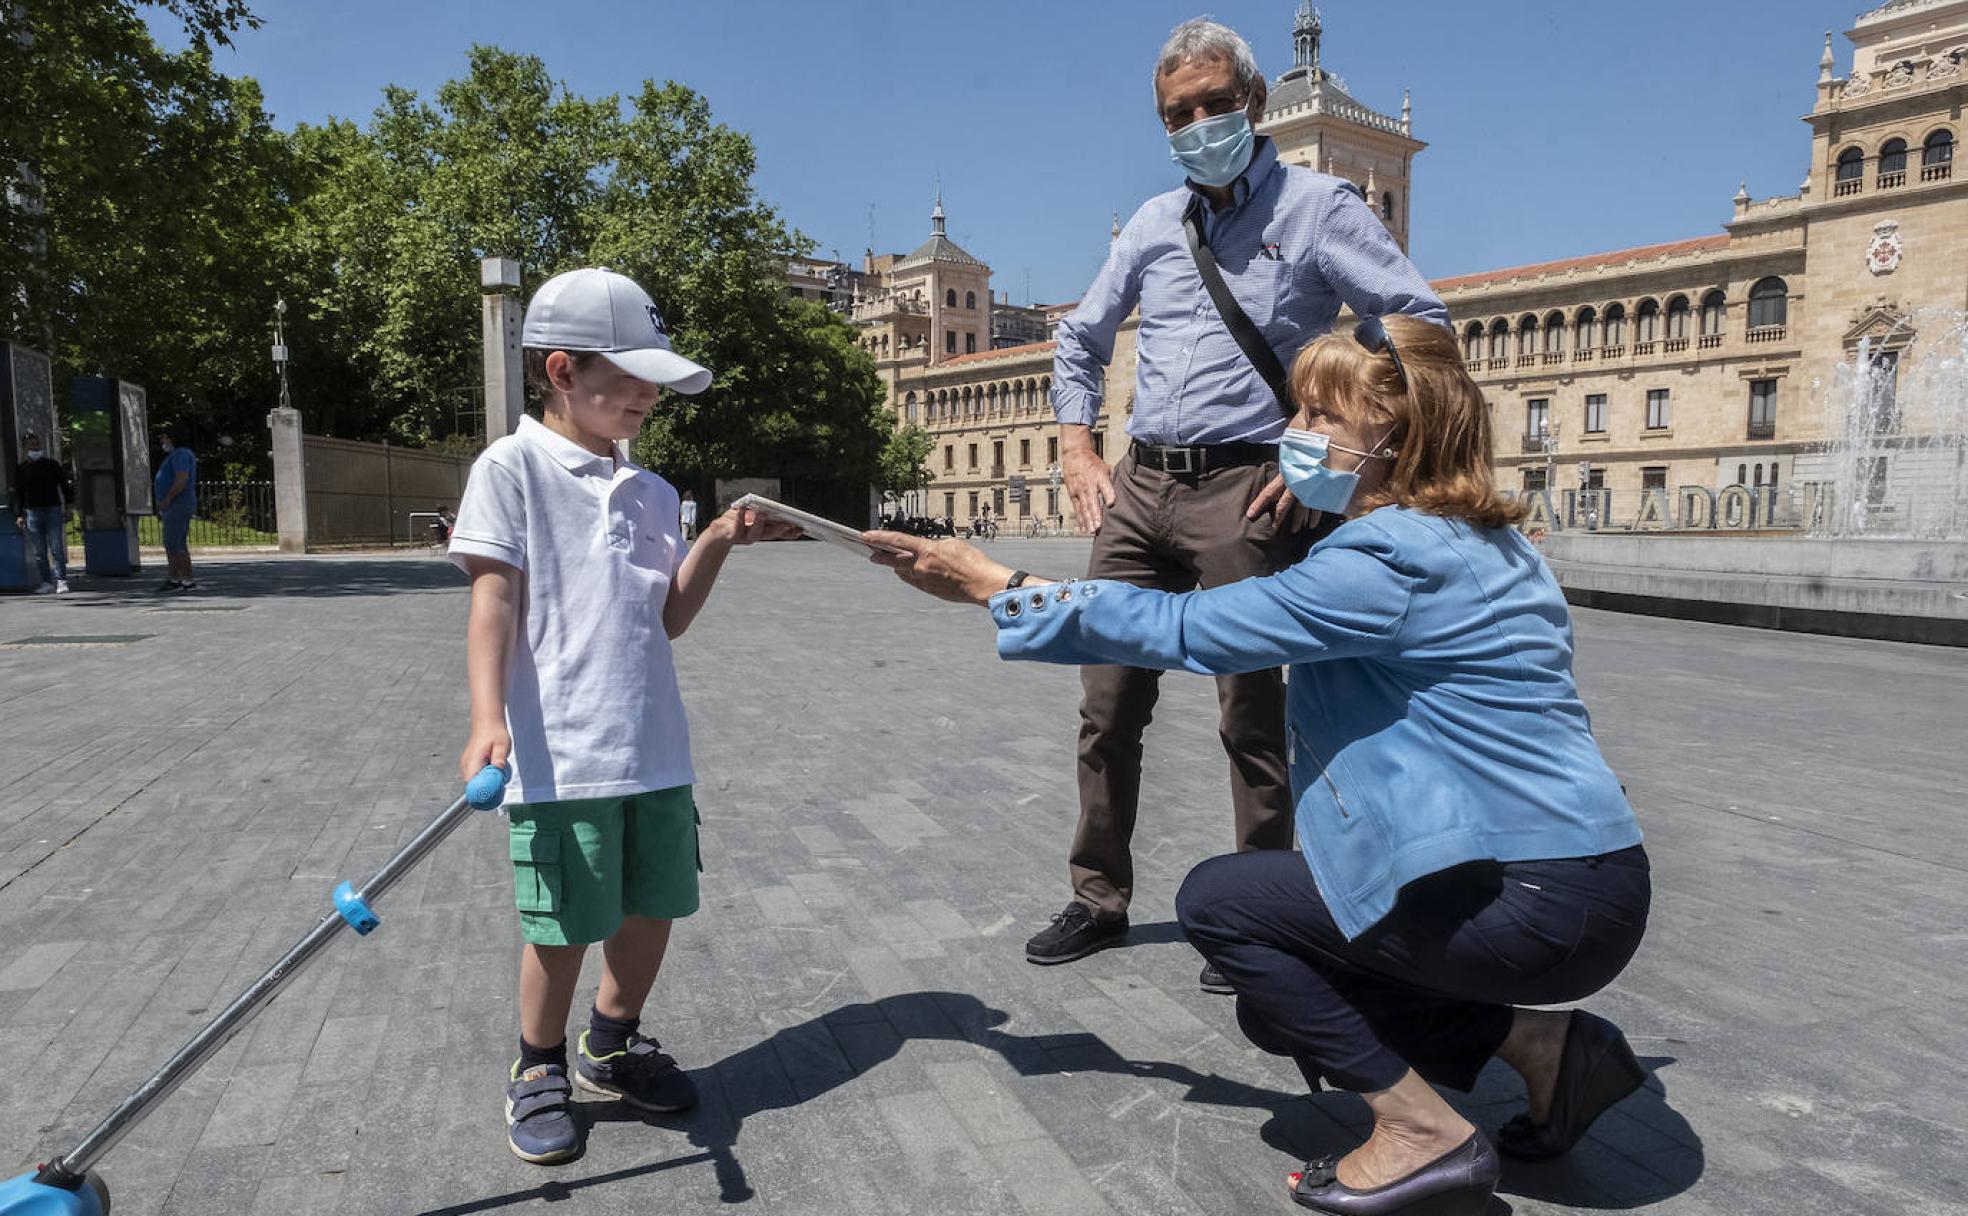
{"x":221,"y":581}
{"x":802,"y":1062}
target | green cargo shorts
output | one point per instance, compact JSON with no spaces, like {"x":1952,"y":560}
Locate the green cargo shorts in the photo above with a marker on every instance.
{"x":581,"y":865}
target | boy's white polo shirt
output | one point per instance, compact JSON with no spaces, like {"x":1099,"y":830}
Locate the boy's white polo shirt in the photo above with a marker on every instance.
{"x":591,"y":699}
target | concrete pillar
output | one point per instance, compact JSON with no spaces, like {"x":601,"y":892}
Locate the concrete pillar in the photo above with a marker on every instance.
{"x":505,"y":390}
{"x":289,"y":479}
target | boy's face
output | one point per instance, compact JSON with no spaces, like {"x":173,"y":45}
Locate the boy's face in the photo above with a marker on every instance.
{"x":600,"y":398}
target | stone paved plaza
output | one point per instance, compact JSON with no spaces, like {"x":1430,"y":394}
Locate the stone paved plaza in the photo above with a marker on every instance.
{"x":887,"y":807}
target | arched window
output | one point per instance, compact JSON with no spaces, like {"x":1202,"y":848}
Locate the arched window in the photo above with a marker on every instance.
{"x":1587,"y":323}
{"x":1554,"y":334}
{"x":1646,"y":322}
{"x":1892,"y":165}
{"x":1714,"y":306}
{"x":1937,"y":156}
{"x":1677,"y":319}
{"x":1499,"y":338}
{"x":909,"y":408}
{"x":1769,"y":304}
{"x":970,"y":299}
{"x":1527,"y":335}
{"x":1387,"y":206}
{"x":1850,"y":175}
{"x":1615,"y":326}
{"x":1472,"y":341}
{"x":950,"y":298}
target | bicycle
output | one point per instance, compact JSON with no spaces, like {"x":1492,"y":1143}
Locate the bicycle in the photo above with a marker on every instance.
{"x":984,"y":529}
{"x":1037,"y":530}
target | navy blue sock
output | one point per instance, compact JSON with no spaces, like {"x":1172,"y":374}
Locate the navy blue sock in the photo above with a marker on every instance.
{"x":532,"y":1057}
{"x":607,"y":1035}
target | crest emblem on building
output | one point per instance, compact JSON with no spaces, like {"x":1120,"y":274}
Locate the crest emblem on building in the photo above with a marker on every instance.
{"x":1883,"y":255}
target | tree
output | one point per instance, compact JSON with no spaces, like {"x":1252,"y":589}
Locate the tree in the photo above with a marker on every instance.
{"x":508,"y":162}
{"x":905,"y":461}
{"x":140,"y":233}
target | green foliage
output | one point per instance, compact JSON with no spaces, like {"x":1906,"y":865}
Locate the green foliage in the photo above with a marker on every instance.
{"x":905,"y":461}
{"x":175,"y":213}
{"x":143,"y":237}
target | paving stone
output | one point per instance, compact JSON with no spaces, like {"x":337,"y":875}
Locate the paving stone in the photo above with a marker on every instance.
{"x":887,"y":808}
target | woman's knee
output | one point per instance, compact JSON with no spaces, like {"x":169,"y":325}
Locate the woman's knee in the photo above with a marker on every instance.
{"x":1210,"y":885}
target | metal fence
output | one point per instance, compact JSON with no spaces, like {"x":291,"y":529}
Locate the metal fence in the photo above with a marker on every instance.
{"x":229,"y":514}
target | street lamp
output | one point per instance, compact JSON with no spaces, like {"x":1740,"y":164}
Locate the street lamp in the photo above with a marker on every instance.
{"x":1548,"y":440}
{"x":1055,"y":475}
{"x":280,"y":347}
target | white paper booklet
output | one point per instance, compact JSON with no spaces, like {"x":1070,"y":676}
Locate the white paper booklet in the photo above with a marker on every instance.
{"x":812,"y":525}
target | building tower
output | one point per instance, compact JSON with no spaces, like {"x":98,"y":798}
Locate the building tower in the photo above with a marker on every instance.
{"x":1317,"y":124}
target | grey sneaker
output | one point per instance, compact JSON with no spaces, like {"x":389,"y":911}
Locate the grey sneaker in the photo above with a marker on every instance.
{"x":639,"y":1074}
{"x":540,"y":1115}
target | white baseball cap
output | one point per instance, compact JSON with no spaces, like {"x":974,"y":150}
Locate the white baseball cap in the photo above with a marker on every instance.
{"x":601,"y":311}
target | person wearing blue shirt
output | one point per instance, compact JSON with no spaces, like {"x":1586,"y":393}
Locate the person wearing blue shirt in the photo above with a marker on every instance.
{"x":175,"y":491}
{"x":1464,"y":848}
{"x":1196,"y":499}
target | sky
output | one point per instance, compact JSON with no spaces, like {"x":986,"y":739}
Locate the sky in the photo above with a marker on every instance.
{"x":1554,"y":129}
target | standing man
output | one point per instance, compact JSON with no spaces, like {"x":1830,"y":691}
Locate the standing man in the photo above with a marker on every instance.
{"x":42,"y":491}
{"x":175,"y":490}
{"x":687,"y":515}
{"x":1197,"y":500}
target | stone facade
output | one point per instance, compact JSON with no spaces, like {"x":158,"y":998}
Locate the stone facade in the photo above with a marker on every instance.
{"x":1688,"y":367}
{"x":1750,"y":333}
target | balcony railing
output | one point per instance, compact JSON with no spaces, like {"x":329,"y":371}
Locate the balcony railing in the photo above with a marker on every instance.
{"x":1762,"y":430}
{"x":1936,"y":173}
{"x":1893,"y":180}
{"x":1850,"y":185}
{"x":1612,"y":352}
{"x":997,"y":472}
{"x":1497,"y":365}
{"x":1582,"y":355}
{"x":1674,"y":346}
{"x":1709,"y":341}
{"x":1767,"y":333}
{"x":1526,"y":360}
{"x":1643,"y":348}
{"x":1533,"y":443}
{"x":1474,"y":365}
{"x":1552,"y":358}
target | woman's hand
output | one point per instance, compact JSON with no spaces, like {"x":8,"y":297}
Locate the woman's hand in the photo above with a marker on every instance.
{"x":947,"y":569}
{"x":746,"y":526}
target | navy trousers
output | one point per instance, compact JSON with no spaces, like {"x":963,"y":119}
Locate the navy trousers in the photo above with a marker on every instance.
{"x":1429,"y":987}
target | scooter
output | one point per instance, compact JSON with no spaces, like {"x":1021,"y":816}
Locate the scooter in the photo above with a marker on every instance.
{"x":68,"y":1186}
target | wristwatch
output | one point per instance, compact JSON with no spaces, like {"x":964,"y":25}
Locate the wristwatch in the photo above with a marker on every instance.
{"x":1017,"y":579}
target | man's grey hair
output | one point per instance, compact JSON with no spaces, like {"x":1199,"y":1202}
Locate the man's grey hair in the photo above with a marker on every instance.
{"x":1201,"y":38}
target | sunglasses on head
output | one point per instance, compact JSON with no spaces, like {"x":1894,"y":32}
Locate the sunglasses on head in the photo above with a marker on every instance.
{"x":1372,"y":334}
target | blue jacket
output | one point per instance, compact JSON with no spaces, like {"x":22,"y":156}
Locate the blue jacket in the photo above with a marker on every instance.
{"x":1432,"y":714}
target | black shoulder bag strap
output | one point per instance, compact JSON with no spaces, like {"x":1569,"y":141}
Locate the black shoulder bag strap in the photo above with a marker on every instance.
{"x":1255,"y":348}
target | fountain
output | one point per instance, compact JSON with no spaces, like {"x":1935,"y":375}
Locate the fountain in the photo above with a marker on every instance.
{"x":1896,"y":464}
{"x":1877,"y":543}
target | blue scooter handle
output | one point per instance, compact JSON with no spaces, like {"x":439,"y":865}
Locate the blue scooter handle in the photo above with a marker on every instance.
{"x":487,"y":790}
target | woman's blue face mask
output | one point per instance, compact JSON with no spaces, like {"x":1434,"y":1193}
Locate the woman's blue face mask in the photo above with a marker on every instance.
{"x":1302,"y":463}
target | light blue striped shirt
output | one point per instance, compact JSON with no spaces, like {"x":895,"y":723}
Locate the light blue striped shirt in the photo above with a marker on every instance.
{"x":1293,"y":246}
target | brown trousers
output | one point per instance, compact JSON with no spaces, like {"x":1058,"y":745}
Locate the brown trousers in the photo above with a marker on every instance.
{"x":1176,"y":532}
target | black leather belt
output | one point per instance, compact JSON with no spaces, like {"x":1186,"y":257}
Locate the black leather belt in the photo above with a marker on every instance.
{"x":1201,"y":457}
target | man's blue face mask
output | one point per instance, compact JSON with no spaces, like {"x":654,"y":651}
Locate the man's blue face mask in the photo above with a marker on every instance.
{"x":1214,"y":151}
{"x":1302,"y":463}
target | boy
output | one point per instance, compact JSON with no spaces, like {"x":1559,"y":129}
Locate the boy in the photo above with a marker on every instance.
{"x":579,"y":580}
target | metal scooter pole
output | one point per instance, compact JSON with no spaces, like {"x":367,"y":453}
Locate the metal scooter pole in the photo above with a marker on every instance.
{"x":68,"y":1171}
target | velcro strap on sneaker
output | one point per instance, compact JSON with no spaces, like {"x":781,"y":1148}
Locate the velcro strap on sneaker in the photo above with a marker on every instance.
{"x":543,"y":1094}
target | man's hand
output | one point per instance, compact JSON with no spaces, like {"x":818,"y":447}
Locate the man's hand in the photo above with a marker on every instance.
{"x":490,"y":743}
{"x":1089,"y":483}
{"x":947,"y":569}
{"x":1274,"y":498}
